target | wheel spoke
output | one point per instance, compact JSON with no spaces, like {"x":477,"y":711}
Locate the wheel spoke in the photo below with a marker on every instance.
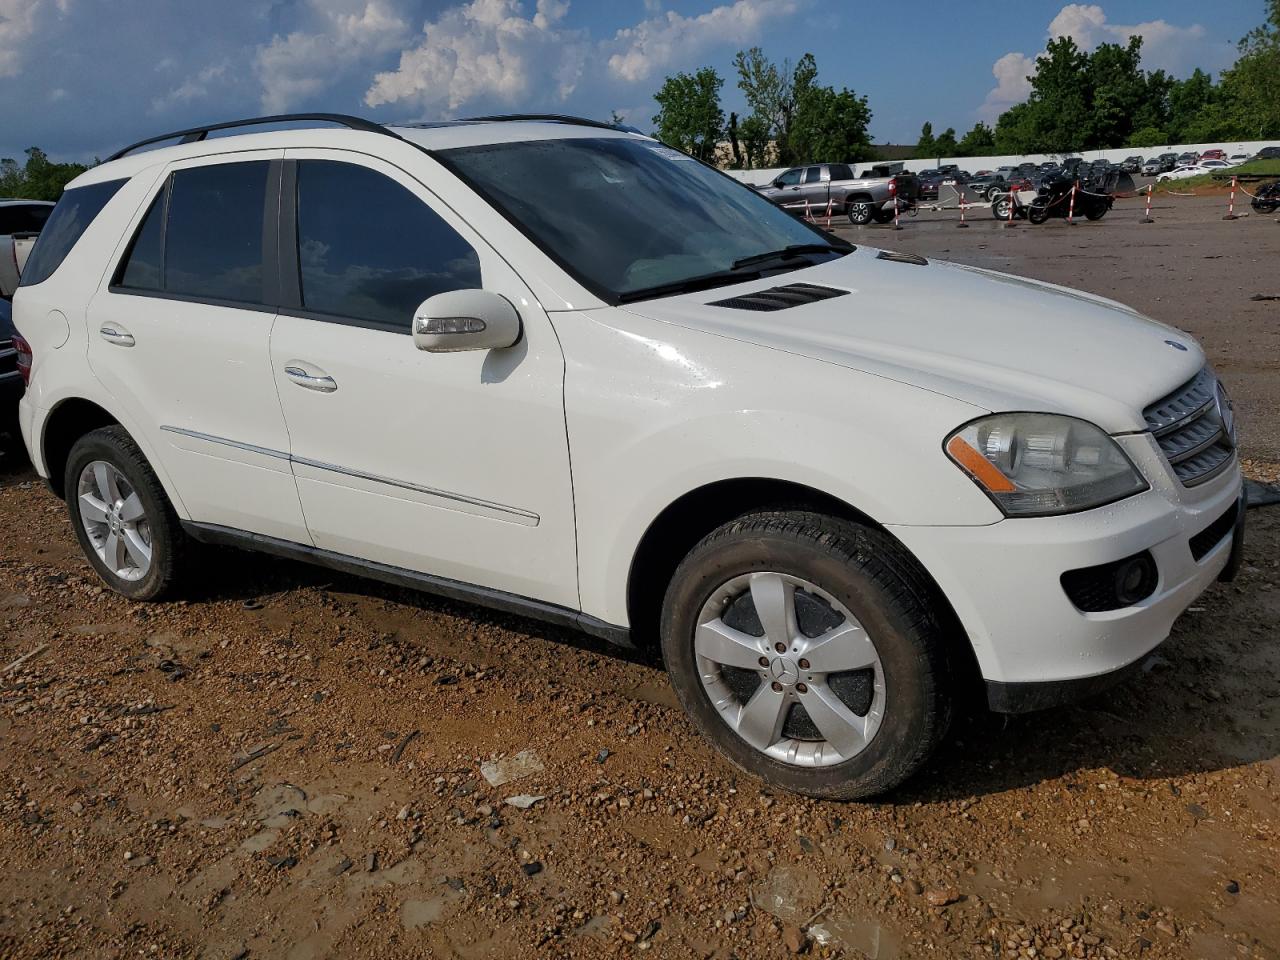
{"x":132,"y":510}
{"x":775,"y":603}
{"x":137,"y":548}
{"x":720,"y":643}
{"x":846,"y":647}
{"x":105,"y":478}
{"x":760,"y":719}
{"x":114,"y":552}
{"x":839,"y":726}
{"x":92,"y":509}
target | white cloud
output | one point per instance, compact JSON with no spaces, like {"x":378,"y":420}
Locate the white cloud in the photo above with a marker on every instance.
{"x":490,"y":50}
{"x":1012,"y":86}
{"x":19,"y":20}
{"x":340,"y":36}
{"x":193,"y":88}
{"x":1165,"y":46}
{"x":487,"y":49}
{"x":670,"y":39}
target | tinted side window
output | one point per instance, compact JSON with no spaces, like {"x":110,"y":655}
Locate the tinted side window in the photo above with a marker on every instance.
{"x":370,"y":250}
{"x":840,"y":171}
{"x":790,"y":178}
{"x":143,"y":263}
{"x":213,"y":238}
{"x":23,"y":218}
{"x":813,"y":175}
{"x":68,"y":222}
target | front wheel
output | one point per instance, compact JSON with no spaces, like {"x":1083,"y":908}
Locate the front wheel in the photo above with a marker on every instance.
{"x":883,"y":215}
{"x":808,"y":651}
{"x":860,"y":213}
{"x":1038,"y":213}
{"x":1096,"y":213}
{"x":1000,"y":207}
{"x":125,"y":524}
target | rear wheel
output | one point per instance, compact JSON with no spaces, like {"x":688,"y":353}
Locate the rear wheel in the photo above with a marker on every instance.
{"x":859,"y":212}
{"x":125,"y":524}
{"x":1000,"y":207}
{"x":807,"y":650}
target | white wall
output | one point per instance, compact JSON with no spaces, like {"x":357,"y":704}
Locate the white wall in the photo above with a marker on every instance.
{"x":991,"y":163}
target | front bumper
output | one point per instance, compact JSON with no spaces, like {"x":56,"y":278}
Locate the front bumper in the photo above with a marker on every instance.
{"x":1033,"y":646}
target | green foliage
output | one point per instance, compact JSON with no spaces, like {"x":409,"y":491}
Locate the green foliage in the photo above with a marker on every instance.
{"x":978,"y":142}
{"x":689,"y":116}
{"x":1148,"y":137}
{"x":926,"y":146}
{"x":808,"y":123}
{"x":830,"y":126}
{"x":946,"y":143}
{"x":1082,"y":101}
{"x":37,"y":179}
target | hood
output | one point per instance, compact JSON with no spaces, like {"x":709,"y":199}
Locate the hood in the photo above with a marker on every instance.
{"x":990,"y":339}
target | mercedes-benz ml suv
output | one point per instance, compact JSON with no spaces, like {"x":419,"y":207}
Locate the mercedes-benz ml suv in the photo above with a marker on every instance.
{"x":559,"y":368}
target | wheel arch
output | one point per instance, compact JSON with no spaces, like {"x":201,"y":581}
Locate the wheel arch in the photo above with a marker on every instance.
{"x":66,"y":423}
{"x":694,"y":514}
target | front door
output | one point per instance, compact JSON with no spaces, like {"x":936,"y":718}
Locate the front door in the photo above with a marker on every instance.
{"x":453,"y":464}
{"x":180,"y":335}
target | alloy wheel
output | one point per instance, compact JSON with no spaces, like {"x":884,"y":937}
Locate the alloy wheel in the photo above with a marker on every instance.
{"x":789,"y":669}
{"x":115,"y":520}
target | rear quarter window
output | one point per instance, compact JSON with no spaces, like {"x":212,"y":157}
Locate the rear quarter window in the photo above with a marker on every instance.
{"x":77,"y":209}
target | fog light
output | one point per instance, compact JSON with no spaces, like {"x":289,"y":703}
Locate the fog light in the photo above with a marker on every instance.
{"x":1135,"y":580}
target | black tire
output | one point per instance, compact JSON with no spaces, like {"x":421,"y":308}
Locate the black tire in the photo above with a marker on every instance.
{"x":991,"y":194}
{"x":883,"y":216}
{"x":859,"y":212}
{"x":1000,"y":207}
{"x":170,"y":544}
{"x":1096,"y":213}
{"x":885,"y":590}
{"x":1038,"y":213}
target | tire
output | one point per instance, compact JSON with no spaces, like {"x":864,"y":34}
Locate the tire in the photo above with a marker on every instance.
{"x":1095,"y":213}
{"x":142,"y":515}
{"x":904,"y":696}
{"x":991,"y":194}
{"x":1000,"y":207}
{"x":883,"y":216}
{"x":859,"y":212}
{"x":1038,"y":213}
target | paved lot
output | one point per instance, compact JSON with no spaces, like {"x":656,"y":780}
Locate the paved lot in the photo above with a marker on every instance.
{"x":288,"y":764}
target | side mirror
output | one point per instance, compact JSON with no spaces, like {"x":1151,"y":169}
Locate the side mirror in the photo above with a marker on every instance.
{"x":466,"y":320}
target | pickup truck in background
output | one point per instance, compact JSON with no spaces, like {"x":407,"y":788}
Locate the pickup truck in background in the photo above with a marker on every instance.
{"x":862,"y":199}
{"x":20,"y":223}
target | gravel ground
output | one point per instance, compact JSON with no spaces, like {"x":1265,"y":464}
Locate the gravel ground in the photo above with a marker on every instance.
{"x":290,"y":764}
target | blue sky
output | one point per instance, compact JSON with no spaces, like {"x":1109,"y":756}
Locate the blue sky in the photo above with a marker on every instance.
{"x":81,"y":77}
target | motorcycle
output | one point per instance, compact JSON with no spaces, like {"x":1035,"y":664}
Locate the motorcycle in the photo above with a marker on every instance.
{"x":1054,"y":200}
{"x":1267,"y":199}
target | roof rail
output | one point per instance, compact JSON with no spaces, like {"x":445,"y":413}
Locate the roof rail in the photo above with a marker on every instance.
{"x":196,"y":134}
{"x":555,"y":118}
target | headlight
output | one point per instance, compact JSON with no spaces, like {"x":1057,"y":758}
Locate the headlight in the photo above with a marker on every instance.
{"x":1039,"y":464}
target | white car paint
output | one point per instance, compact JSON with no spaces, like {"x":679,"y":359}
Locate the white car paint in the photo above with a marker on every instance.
{"x":538,"y":472}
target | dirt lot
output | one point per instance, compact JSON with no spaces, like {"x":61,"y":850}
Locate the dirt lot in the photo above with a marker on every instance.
{"x":288,"y":764}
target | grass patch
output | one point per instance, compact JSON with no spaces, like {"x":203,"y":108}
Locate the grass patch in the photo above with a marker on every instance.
{"x":1254,"y":168}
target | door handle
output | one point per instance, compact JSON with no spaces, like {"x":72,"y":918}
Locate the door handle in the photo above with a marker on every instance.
{"x":117,"y":335}
{"x":318,"y":381}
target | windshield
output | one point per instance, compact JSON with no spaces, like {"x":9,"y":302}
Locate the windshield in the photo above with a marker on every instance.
{"x":626,"y":215}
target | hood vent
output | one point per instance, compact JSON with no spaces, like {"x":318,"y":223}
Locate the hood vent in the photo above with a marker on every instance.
{"x":780,"y":298}
{"x":896,"y":257}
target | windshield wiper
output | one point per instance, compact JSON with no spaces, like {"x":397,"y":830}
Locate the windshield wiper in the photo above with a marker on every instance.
{"x":790,"y":252}
{"x":706,"y":281}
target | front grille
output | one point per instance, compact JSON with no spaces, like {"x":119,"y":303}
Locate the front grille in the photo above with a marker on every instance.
{"x":780,"y":298}
{"x":1212,"y":535}
{"x":1188,"y":425}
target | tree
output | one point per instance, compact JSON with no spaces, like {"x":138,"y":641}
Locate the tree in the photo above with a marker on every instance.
{"x":39,"y":178}
{"x":768,"y":91}
{"x":978,"y":142}
{"x":617,"y":119}
{"x":754,"y":134}
{"x":926,"y":147}
{"x":1251,"y":87}
{"x":830,"y":126}
{"x":1148,"y":137}
{"x":946,"y":145}
{"x":689,"y":116}
{"x":734,"y":146}
{"x":1116,"y":89}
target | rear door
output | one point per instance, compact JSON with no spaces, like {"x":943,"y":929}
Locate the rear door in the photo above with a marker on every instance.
{"x":813,"y":191}
{"x":180,"y":334}
{"x":454,"y":464}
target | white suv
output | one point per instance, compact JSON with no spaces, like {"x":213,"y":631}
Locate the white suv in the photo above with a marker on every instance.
{"x":558,"y":368}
